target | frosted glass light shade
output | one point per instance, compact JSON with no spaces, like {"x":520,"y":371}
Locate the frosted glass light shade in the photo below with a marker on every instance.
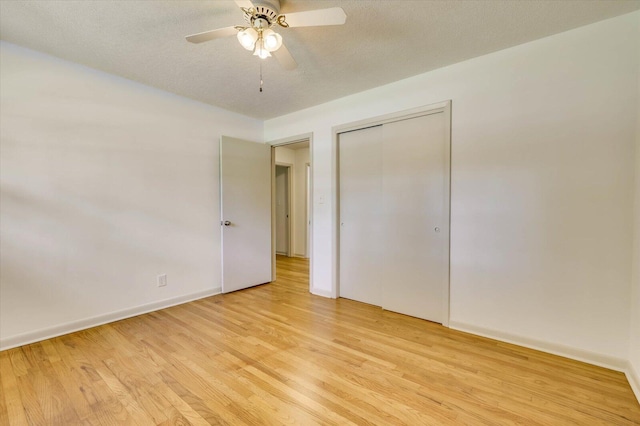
{"x":247,"y":38}
{"x":261,"y":52}
{"x":272,"y":40}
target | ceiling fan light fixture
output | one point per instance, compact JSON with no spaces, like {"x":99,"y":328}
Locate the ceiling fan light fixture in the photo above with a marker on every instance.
{"x":248,"y":38}
{"x":256,"y":34}
{"x":272,"y":40}
{"x":260,"y":51}
{"x":262,"y":54}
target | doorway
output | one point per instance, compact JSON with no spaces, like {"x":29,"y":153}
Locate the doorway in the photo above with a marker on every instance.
{"x":292,"y":216}
{"x":283,"y":209}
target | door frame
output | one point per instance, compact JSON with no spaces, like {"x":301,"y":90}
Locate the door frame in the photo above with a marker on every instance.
{"x":440,"y":107}
{"x":307,"y":206}
{"x":289,"y":211}
{"x":282,"y":142}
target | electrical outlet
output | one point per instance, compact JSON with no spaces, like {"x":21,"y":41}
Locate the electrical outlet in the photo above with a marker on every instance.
{"x":162,"y":280}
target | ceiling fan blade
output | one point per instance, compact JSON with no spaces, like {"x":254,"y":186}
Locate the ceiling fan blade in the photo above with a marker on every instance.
{"x":284,"y":57}
{"x":312,"y":18}
{"x":244,"y":4}
{"x":212,"y":35}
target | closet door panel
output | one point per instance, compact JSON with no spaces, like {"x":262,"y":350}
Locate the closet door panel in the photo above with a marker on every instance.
{"x":413,"y":185}
{"x":361,"y":239}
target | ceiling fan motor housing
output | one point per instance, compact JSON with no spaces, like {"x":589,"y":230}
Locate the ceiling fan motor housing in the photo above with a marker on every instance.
{"x":264,"y":10}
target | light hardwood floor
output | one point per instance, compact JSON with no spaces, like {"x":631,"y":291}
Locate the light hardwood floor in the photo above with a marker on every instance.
{"x":275,"y":354}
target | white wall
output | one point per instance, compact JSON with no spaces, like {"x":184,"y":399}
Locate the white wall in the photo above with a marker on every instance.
{"x":543,"y":138}
{"x":104,"y":184}
{"x":634,"y":346}
{"x":285,"y":155}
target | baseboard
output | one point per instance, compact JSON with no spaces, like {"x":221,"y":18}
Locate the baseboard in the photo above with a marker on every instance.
{"x":606,"y":361}
{"x":70,"y":327}
{"x":301,"y":256}
{"x":633,"y":376}
{"x":323,"y":293}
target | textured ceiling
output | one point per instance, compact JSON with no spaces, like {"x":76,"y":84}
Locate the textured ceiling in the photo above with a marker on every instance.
{"x":382,"y":41}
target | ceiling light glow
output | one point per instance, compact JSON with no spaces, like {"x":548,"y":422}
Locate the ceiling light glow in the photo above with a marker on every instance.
{"x":272,"y":40}
{"x":248,"y":38}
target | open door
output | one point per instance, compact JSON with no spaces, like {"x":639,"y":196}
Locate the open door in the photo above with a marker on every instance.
{"x":245,"y":213}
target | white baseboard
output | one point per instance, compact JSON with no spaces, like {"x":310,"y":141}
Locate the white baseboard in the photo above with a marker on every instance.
{"x":323,"y":293}
{"x":633,"y":376}
{"x":83,"y":324}
{"x":601,"y":360}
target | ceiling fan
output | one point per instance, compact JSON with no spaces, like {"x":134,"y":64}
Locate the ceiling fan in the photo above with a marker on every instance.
{"x":259,"y":36}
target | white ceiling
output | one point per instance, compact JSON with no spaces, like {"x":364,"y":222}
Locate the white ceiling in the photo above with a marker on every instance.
{"x":382,"y":41}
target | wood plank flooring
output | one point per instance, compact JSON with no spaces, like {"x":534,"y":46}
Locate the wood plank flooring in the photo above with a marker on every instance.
{"x":275,"y":354}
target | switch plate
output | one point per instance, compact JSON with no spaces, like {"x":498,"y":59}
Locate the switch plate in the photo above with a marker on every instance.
{"x":162,"y":280}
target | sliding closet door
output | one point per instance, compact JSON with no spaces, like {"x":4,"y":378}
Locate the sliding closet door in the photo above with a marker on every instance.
{"x":415,"y":188}
{"x":360,"y":165}
{"x":394,"y":214}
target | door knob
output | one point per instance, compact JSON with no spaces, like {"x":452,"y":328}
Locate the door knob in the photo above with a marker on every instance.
{"x":437,"y":229}
{"x":226,"y":223}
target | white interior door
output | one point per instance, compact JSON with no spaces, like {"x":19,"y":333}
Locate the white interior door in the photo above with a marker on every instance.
{"x":361,"y":234}
{"x":245,"y":200}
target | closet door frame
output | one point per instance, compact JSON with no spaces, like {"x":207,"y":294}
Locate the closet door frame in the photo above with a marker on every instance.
{"x":440,"y":107}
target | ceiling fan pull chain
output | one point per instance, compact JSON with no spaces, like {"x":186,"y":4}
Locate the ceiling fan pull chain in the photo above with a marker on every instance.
{"x":261,"y":82}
